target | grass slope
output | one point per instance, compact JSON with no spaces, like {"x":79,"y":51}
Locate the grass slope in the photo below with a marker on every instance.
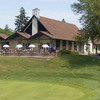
{"x":37,"y":91}
{"x":72,"y":77}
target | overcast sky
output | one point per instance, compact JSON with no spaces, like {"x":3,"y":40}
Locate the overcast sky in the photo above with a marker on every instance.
{"x":55,"y":9}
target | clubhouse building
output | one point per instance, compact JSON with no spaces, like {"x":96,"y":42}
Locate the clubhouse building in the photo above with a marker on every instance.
{"x":40,"y":30}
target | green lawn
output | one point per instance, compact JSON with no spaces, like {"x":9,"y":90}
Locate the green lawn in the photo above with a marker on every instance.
{"x":68,"y":77}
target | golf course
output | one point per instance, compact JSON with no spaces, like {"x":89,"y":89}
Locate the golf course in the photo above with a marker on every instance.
{"x":66,"y":77}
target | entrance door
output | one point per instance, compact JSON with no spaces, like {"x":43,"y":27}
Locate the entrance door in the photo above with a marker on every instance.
{"x":88,"y":47}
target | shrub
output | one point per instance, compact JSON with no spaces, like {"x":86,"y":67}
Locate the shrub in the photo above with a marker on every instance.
{"x":61,"y":52}
{"x":64,"y":52}
{"x":74,"y":52}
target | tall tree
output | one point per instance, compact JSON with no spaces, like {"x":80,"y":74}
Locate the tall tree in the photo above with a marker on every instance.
{"x":90,"y":18}
{"x":21,"y":19}
{"x":6,"y":27}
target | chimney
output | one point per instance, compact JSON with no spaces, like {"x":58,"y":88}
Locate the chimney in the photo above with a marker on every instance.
{"x":36,"y":12}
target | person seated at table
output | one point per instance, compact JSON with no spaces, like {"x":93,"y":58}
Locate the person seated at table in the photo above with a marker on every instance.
{"x":50,"y":49}
{"x":54,"y":49}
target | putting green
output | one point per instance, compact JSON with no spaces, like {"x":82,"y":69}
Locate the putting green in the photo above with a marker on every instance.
{"x":11,"y":90}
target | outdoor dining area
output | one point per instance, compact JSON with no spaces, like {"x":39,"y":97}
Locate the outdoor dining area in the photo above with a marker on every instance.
{"x":19,"y":50}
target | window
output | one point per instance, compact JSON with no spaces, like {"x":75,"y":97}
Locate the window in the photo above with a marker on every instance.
{"x":75,"y":45}
{"x":99,"y":48}
{"x":70,"y":45}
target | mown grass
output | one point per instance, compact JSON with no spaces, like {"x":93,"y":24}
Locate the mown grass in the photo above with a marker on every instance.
{"x":76,"y":71}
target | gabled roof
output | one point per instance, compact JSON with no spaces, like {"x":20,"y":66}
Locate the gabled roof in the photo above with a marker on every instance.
{"x":24,"y":35}
{"x":57,"y":29}
{"x":3,"y":36}
{"x":41,"y":33}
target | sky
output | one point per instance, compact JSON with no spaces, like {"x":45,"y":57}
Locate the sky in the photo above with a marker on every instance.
{"x":54,"y":9}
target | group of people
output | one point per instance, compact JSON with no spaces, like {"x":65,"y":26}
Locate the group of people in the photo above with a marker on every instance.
{"x":52,"y":49}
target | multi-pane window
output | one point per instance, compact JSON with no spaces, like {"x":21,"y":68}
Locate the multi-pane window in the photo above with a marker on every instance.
{"x":64,"y":44}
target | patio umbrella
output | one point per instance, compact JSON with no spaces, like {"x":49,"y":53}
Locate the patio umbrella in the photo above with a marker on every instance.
{"x":31,"y":46}
{"x":19,"y":46}
{"x":6,"y":46}
{"x":45,"y":46}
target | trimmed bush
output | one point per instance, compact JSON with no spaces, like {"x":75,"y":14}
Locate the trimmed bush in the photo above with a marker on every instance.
{"x":61,"y":52}
{"x":64,"y":52}
{"x":74,"y":52}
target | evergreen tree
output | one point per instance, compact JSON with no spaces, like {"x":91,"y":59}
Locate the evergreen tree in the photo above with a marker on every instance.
{"x":6,"y":27}
{"x":90,"y":18}
{"x":21,"y":20}
{"x":63,"y":20}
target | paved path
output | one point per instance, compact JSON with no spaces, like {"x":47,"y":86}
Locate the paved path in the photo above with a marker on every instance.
{"x":94,"y":56}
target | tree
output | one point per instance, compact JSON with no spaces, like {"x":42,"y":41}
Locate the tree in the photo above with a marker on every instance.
{"x":63,"y":20}
{"x":90,"y":18}
{"x":21,"y":20}
{"x":6,"y":27}
{"x":7,"y":32}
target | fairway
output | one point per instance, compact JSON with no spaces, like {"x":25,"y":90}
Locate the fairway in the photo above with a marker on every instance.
{"x":67,"y":77}
{"x":37,"y":91}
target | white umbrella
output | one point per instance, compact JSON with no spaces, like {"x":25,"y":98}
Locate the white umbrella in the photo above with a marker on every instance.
{"x":19,"y":46}
{"x":6,"y":46}
{"x":31,"y":46}
{"x":45,"y":46}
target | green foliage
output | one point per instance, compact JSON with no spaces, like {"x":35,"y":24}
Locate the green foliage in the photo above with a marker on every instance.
{"x":62,"y":52}
{"x":82,"y":37}
{"x":90,"y":18}
{"x":7,"y":32}
{"x":74,"y":52}
{"x":21,"y":20}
